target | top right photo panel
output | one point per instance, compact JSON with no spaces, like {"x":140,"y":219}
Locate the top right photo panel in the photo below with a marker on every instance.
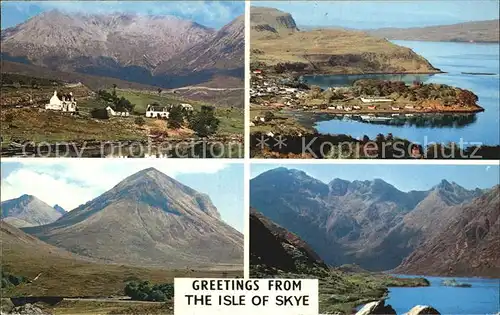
{"x":374,"y":79}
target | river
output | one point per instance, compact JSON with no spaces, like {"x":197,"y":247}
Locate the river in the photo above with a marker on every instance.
{"x":452,"y":58}
{"x":482,"y":298}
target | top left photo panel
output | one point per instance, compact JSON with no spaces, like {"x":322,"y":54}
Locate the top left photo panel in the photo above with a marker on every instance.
{"x":122,"y":79}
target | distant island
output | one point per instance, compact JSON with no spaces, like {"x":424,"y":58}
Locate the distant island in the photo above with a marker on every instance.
{"x":476,"y":32}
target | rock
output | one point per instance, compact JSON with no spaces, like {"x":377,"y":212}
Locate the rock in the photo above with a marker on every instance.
{"x":423,"y":309}
{"x":6,"y":306}
{"x":377,"y":307}
{"x":28,"y":309}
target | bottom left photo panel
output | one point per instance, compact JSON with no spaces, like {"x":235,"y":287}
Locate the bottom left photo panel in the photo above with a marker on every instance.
{"x":108,"y":236}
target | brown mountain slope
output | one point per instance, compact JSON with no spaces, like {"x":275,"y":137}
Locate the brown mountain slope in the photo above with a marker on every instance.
{"x":272,"y":20}
{"x":62,"y":273}
{"x":28,"y":210}
{"x":468,"y":246}
{"x":477,"y":31}
{"x":148,"y":219}
{"x":225,"y":50}
{"x":327,"y":51}
{"x":92,"y":81}
{"x":274,"y":248}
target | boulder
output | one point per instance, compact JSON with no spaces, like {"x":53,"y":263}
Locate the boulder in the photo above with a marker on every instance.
{"x":423,"y":309}
{"x":27,"y":309}
{"x":377,"y":307}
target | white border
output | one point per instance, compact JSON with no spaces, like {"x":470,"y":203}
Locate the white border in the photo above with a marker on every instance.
{"x":246,"y":145}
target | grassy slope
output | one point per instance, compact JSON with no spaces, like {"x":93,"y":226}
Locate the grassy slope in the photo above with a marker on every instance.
{"x":94,"y":82}
{"x":342,"y":292}
{"x":232,"y":119}
{"x":30,"y":124}
{"x":319,"y":45}
{"x":66,"y":274}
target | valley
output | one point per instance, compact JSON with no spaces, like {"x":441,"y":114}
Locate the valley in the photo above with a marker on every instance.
{"x":343,"y":231}
{"x":26,"y":123}
{"x":148,"y":227}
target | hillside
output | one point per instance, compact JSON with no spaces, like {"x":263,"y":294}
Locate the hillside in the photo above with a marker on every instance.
{"x":62,"y":273}
{"x":28,"y":210}
{"x":369,"y":223}
{"x":277,"y":252}
{"x":276,"y":40}
{"x":148,"y":219}
{"x":469,"y":245}
{"x":477,"y":31}
{"x":273,"y":248}
{"x":222,"y":55}
{"x":94,"y":82}
{"x":153,"y":50}
{"x":272,"y":20}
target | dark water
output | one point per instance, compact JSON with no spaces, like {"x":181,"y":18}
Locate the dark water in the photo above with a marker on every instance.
{"x":453,"y":58}
{"x":482,"y":298}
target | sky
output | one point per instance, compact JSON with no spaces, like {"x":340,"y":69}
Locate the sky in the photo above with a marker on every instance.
{"x":403,"y":177}
{"x":379,"y":14}
{"x":70,"y":183}
{"x":213,"y":14}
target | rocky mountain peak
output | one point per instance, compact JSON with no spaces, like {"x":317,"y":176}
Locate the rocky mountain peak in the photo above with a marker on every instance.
{"x":271,"y":20}
{"x":28,"y":210}
{"x":60,"y":209}
{"x":339,"y":187}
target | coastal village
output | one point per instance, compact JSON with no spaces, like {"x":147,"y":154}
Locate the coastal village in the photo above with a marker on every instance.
{"x":278,"y":93}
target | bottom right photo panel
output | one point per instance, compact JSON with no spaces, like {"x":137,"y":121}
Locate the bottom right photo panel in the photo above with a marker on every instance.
{"x":381,"y":239}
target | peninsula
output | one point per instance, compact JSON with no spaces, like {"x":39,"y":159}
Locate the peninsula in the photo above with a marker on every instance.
{"x":279,"y":46}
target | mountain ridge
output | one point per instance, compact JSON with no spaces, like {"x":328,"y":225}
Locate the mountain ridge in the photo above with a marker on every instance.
{"x":370,"y":223}
{"x":147,"y":219}
{"x":468,"y":246}
{"x":474,"y":31}
{"x":28,"y":210}
{"x":130,"y":47}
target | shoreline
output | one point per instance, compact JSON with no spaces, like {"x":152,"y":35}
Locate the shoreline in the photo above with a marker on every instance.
{"x":374,"y":73}
{"x":479,"y":109}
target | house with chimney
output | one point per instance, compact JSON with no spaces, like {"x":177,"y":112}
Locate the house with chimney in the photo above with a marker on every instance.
{"x":64,"y":103}
{"x":157,"y":111}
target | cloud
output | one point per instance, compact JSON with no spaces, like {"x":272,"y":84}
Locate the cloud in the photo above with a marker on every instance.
{"x":73,"y":182}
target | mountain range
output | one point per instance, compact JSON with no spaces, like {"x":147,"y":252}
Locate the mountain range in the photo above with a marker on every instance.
{"x":157,"y":50}
{"x":28,"y":210}
{"x":476,"y":31}
{"x":369,"y":223}
{"x":276,"y":40}
{"x":148,"y":219}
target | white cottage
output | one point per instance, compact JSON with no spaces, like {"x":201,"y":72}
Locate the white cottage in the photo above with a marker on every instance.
{"x":154,"y":111}
{"x":66,"y":104}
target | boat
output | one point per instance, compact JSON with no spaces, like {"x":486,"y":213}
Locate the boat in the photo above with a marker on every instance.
{"x":455,"y":283}
{"x":374,"y":118}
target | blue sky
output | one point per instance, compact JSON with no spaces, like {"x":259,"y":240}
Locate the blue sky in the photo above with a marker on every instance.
{"x":378,"y":14}
{"x":209,"y":13}
{"x":403,"y":177}
{"x":70,"y":183}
